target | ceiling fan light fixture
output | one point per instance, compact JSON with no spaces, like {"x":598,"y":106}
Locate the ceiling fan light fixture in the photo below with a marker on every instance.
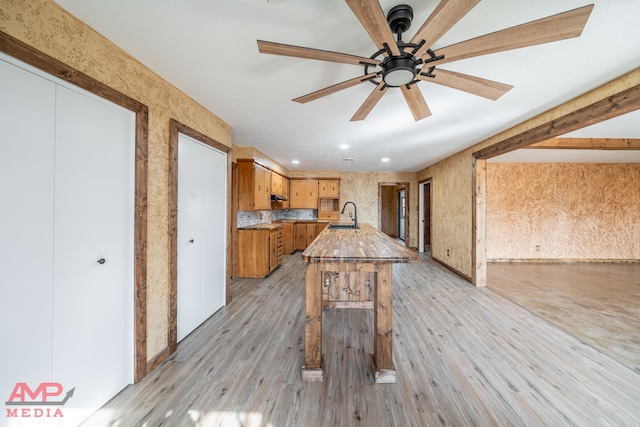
{"x":398,"y":71}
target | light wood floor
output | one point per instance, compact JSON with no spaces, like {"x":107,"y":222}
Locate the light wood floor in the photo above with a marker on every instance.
{"x":463,"y":355}
{"x":597,"y":302}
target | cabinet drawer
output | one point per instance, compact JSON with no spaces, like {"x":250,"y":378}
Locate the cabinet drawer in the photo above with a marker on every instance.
{"x":332,"y":216}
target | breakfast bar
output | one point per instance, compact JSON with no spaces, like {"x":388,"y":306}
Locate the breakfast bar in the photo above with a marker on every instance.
{"x":359,"y":260}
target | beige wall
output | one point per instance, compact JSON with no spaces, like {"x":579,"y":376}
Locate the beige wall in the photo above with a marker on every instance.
{"x":244,"y":152}
{"x":48,"y":28}
{"x":452,"y":180}
{"x":362,"y":189}
{"x":571,"y":211}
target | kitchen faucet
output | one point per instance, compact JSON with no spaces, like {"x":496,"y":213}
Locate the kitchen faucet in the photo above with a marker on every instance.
{"x":355,"y":213}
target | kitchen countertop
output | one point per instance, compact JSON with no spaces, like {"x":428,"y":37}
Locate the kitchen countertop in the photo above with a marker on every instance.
{"x":310,"y":221}
{"x":366,"y":244}
{"x":272,"y":226}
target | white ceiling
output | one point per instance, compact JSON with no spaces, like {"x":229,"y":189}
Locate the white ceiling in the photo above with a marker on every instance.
{"x":208,"y":50}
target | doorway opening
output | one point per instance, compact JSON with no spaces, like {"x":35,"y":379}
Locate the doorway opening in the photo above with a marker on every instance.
{"x":424,"y":208}
{"x":393,"y":210}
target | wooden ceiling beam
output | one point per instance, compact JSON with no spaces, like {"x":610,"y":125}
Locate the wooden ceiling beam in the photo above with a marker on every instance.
{"x":589,"y":144}
{"x":613,"y":106}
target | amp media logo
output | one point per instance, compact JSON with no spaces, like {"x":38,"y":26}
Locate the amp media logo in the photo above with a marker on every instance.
{"x":43,"y":402}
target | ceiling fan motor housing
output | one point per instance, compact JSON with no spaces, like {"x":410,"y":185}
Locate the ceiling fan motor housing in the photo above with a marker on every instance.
{"x":399,"y":18}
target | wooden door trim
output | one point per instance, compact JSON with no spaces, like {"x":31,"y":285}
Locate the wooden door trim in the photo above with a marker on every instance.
{"x":19,"y":50}
{"x":407,"y":199}
{"x":176,"y":128}
{"x":430,"y":182}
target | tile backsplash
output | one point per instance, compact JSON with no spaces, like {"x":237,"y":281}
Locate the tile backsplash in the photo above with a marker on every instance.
{"x":246,"y":218}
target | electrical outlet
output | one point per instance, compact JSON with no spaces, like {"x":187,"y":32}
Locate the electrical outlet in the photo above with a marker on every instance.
{"x":350,"y":214}
{"x":537,"y":248}
{"x":448,"y":252}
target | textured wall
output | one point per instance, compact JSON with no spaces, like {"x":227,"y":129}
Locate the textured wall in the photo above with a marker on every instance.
{"x":452,"y":179}
{"x":571,"y":211}
{"x":362,"y":189}
{"x":50,"y":29}
{"x":245,"y":152}
{"x":451,"y":211}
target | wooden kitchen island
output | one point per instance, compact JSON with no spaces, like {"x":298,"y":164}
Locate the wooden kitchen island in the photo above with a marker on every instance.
{"x":352,"y":268}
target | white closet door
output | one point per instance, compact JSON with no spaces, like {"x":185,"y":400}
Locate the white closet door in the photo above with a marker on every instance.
{"x":93,"y":278}
{"x":201,"y":233}
{"x":27,"y":106}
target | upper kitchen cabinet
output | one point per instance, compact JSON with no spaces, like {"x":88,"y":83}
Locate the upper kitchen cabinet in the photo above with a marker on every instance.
{"x":329,"y":188}
{"x":279,"y":187}
{"x":254,"y":186}
{"x":276,"y":184}
{"x":329,"y":199}
{"x":285,"y":193}
{"x":303,"y":194}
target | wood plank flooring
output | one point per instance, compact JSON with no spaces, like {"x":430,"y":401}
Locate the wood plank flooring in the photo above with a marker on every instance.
{"x":597,"y":302}
{"x":463,"y":356}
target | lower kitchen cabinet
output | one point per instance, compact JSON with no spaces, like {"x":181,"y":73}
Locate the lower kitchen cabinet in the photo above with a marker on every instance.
{"x":287,"y":238}
{"x":305,"y":232}
{"x":260,"y":250}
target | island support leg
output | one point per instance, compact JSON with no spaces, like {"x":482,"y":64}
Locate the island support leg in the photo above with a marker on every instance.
{"x":383,"y":367}
{"x":313,"y":369}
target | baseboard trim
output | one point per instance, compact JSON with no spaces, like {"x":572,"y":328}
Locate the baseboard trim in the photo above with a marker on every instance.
{"x":448,"y":267}
{"x":565,"y":260}
{"x":158,"y":359}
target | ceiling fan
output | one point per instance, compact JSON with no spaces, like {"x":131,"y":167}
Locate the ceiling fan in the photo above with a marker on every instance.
{"x":403,"y":64}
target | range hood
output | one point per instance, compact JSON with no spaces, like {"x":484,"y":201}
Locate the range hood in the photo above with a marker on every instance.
{"x":276,"y":198}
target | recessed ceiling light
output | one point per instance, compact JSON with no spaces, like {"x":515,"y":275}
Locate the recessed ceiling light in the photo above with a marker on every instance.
{"x":385,"y":159}
{"x":344,"y":146}
{"x":295,"y":162}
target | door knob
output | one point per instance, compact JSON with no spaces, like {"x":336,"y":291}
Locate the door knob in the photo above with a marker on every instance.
{"x":102,"y":261}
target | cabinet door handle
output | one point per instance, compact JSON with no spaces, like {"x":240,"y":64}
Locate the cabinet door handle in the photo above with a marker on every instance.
{"x":191,"y":241}
{"x":102,"y":261}
{"x":259,"y":188}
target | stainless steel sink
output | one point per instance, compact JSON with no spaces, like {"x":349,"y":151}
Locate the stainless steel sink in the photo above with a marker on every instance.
{"x":342,"y":226}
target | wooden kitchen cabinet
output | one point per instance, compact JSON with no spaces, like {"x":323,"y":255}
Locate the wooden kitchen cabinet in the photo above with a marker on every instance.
{"x":276,"y":184}
{"x":303,"y":193}
{"x":320,"y":226}
{"x":329,"y":188}
{"x":329,"y":199}
{"x":254,"y":186}
{"x":285,"y":193}
{"x":260,"y":250}
{"x":305,"y":233}
{"x":280,"y":187}
{"x":299,"y":236}
{"x":287,"y":238}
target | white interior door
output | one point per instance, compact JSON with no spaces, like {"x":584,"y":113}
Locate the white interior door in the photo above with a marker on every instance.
{"x":202,"y":172}
{"x":93,"y":278}
{"x":66,"y":185}
{"x":27,"y":125}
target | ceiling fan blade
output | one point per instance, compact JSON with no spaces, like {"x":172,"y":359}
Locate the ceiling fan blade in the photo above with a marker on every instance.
{"x":416,"y":101}
{"x":332,"y":89}
{"x":372,"y":18}
{"x":445,"y":16}
{"x":370,"y":102}
{"x":474,"y":85}
{"x":309,"y":53}
{"x":562,"y":26}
